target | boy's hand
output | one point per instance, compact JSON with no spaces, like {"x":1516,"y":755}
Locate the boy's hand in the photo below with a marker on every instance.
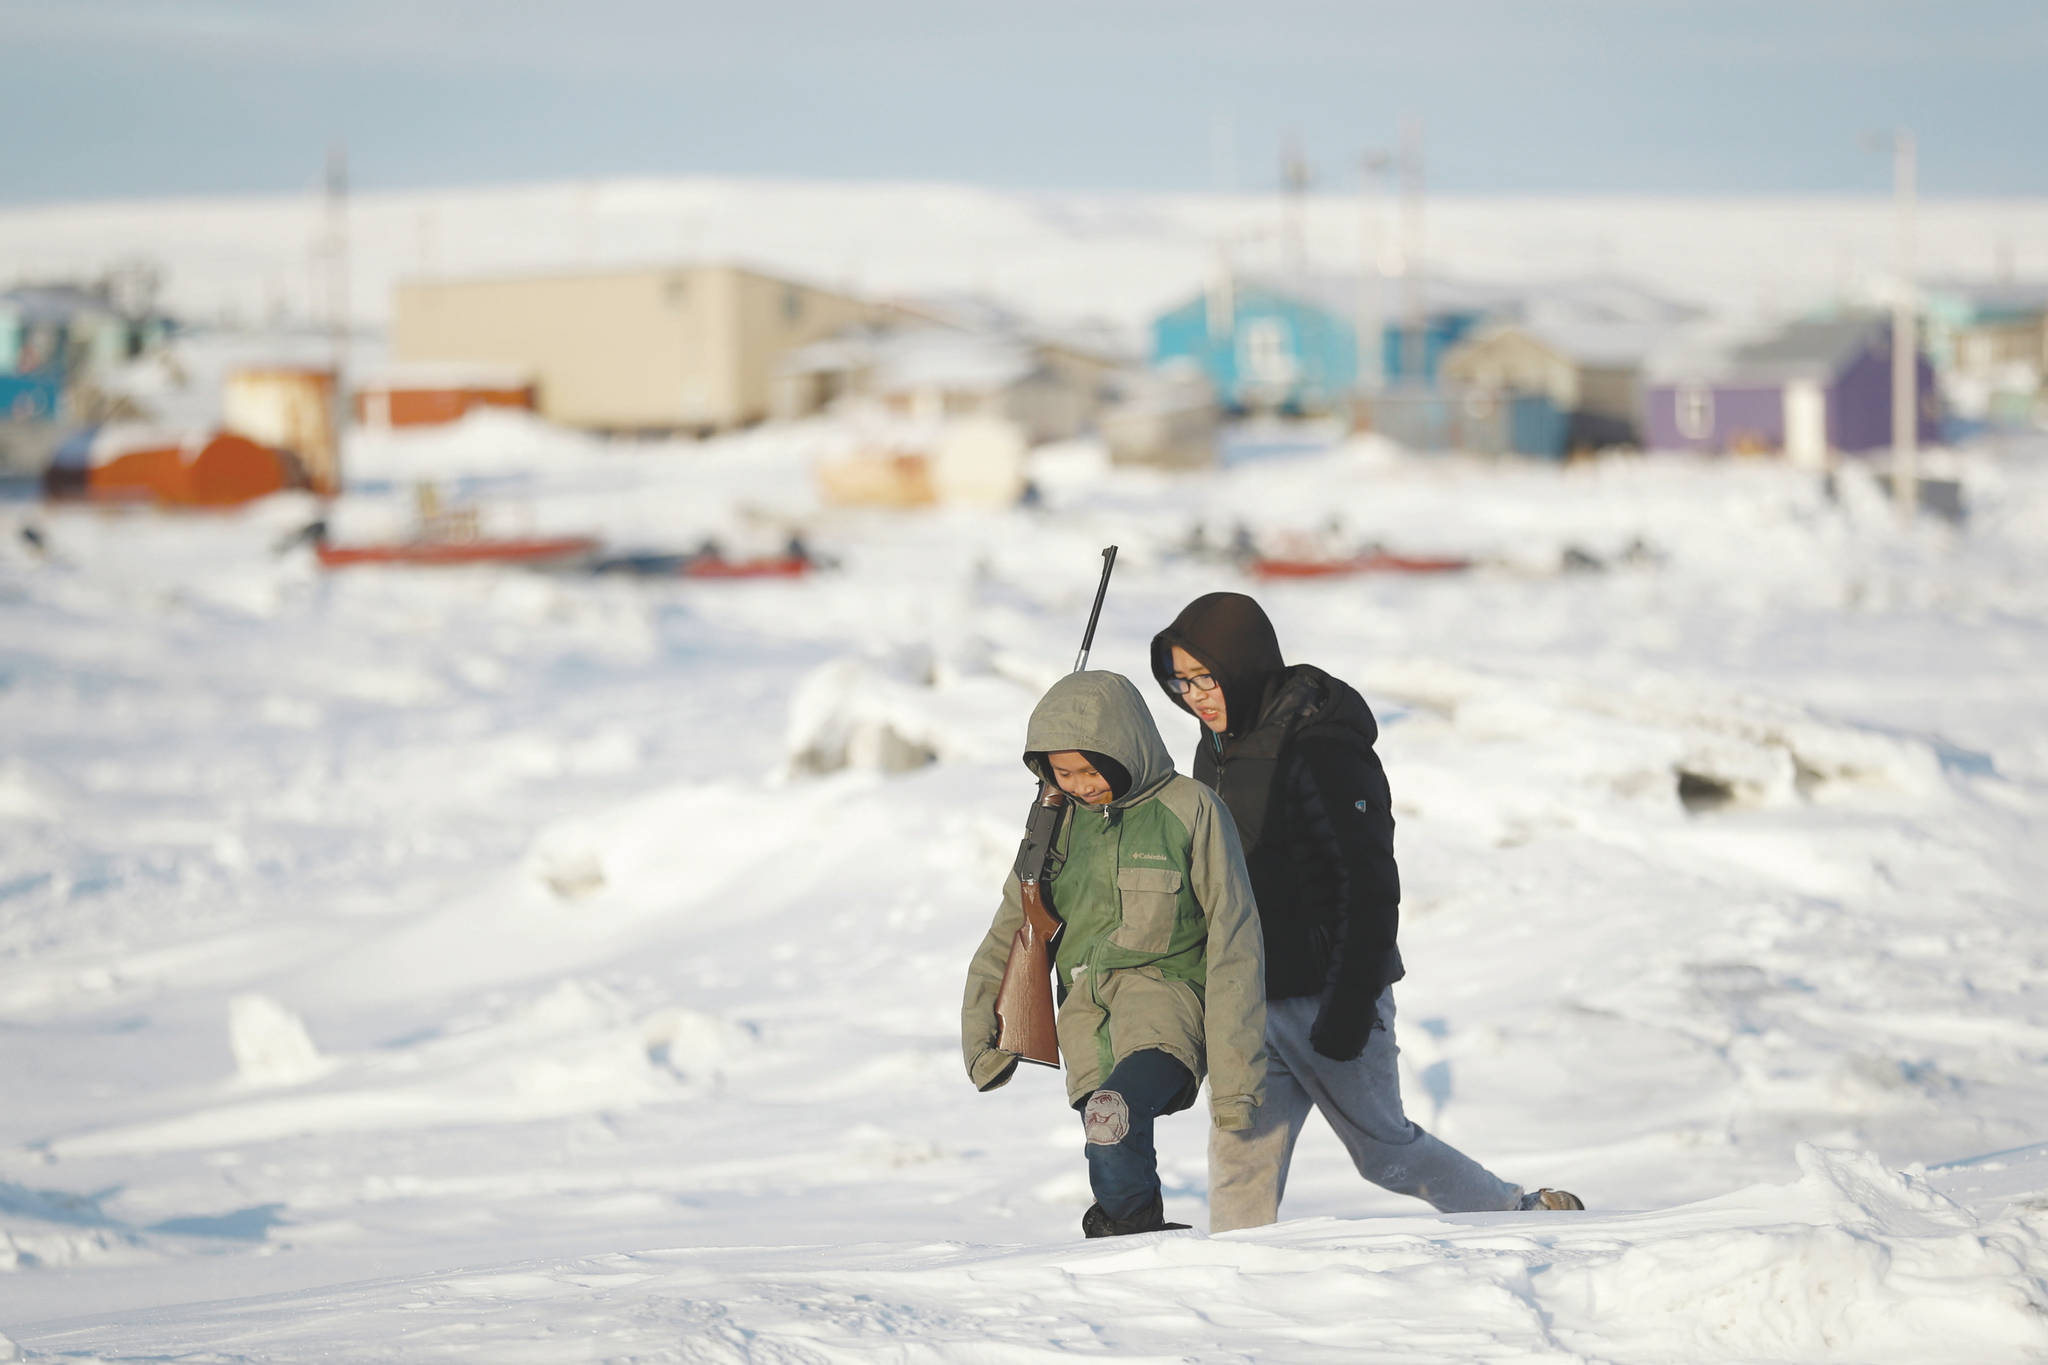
{"x":992,"y":1068}
{"x":1234,"y":1116}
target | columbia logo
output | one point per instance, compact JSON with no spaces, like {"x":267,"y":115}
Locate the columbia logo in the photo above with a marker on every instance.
{"x":1358,"y":805}
{"x":1151,"y":857}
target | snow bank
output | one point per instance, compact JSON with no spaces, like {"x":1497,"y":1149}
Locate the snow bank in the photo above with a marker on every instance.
{"x":41,"y":1229}
{"x":484,"y":442}
{"x":271,"y":1044}
{"x":898,"y":712}
{"x":1854,"y":1262}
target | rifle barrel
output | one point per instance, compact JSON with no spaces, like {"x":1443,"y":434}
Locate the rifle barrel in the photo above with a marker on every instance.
{"x":1101,"y":591}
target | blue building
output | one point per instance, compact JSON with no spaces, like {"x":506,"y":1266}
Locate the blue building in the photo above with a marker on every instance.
{"x":1291,"y":344}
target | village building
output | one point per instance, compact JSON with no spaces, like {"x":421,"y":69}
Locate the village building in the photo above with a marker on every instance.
{"x":1564,"y":374}
{"x":1813,"y":389}
{"x":1165,"y":418}
{"x":289,"y":408}
{"x":1289,"y":343}
{"x":659,"y":350}
{"x":58,"y":344}
{"x":936,"y":361}
{"x":1990,"y":344}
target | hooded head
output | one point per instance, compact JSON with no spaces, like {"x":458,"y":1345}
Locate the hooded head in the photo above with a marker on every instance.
{"x":1099,"y":714}
{"x":1231,"y":637}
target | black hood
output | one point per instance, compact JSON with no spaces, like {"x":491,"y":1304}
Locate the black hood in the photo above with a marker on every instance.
{"x":1229,"y":633}
{"x":1305,"y":697}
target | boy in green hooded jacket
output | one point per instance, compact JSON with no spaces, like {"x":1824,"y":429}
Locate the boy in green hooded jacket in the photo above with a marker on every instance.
{"x":1159,"y":968}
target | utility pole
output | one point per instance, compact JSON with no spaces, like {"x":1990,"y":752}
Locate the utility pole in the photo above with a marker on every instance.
{"x":1372,"y":275}
{"x":1221,"y":291}
{"x":1294,"y":178}
{"x":1415,"y":340}
{"x":337,"y":302}
{"x":1905,"y":344}
{"x":1223,"y":153}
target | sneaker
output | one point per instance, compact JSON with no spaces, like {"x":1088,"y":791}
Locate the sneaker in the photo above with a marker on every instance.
{"x":1151,"y":1218}
{"x":1550,"y":1199}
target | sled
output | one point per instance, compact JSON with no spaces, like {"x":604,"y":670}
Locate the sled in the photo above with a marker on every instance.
{"x":704,"y":566}
{"x":1376,"y":562}
{"x":535,"y":550}
{"x":771,"y":566}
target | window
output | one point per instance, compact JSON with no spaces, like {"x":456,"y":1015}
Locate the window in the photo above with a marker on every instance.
{"x":1266,"y":353}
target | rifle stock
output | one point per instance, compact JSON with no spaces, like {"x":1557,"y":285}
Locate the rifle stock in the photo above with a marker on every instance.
{"x":1024,"y":1006}
{"x":1024,"y":1010}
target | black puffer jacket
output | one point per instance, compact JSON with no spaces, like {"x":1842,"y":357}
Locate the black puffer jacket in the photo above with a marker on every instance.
{"x":1312,"y":809}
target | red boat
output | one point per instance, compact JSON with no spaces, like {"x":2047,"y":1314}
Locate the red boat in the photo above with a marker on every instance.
{"x":532,"y":550}
{"x":1376,"y":562}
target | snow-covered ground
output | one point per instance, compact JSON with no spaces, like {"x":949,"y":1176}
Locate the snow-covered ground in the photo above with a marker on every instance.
{"x":415,"y":965}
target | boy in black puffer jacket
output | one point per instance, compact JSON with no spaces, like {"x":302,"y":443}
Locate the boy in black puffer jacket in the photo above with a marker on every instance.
{"x":1290,"y":751}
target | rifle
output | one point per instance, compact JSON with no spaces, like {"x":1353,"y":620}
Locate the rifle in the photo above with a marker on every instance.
{"x":1024,"y":1007}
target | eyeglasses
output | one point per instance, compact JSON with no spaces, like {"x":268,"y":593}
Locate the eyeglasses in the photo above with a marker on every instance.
{"x":1201,"y":682}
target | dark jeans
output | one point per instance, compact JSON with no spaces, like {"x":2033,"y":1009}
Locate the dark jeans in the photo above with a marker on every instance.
{"x":1123,"y":1166}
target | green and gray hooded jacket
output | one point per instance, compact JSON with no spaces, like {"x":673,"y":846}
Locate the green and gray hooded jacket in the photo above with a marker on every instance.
{"x":1161,"y":945}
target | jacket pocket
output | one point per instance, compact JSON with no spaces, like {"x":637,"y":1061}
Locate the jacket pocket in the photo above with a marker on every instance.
{"x":1149,"y":1010}
{"x":1150,"y":899}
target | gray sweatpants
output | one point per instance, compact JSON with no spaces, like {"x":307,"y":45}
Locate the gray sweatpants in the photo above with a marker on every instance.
{"x":1362,"y":1100}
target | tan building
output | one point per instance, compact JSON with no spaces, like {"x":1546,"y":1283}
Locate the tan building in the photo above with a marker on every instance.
{"x":682,"y":348}
{"x":1577,"y":376}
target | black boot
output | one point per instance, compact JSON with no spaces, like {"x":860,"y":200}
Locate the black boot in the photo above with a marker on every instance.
{"x":1151,"y":1218}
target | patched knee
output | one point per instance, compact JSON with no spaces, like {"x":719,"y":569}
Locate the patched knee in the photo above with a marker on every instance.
{"x":1107,"y":1118}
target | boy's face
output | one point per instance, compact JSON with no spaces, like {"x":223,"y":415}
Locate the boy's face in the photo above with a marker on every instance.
{"x":1205,"y":701}
{"x":1077,"y":777}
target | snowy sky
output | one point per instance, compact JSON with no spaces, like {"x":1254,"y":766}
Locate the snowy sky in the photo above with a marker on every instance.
{"x":154,"y":97}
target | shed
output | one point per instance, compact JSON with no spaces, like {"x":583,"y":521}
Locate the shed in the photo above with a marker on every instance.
{"x":1811,"y":388}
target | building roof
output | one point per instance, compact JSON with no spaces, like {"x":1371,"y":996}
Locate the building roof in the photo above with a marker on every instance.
{"x":1812,"y":348}
{"x":903,"y":360}
{"x":1604,"y":344}
{"x":54,"y":302}
{"x":1340,"y":294}
{"x":1598,"y":319}
{"x":1816,"y":347}
{"x":970,"y":312}
{"x":1988,"y":301}
{"x":958,"y":362}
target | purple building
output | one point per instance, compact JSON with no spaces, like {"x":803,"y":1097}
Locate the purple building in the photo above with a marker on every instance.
{"x":1813,"y":388}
